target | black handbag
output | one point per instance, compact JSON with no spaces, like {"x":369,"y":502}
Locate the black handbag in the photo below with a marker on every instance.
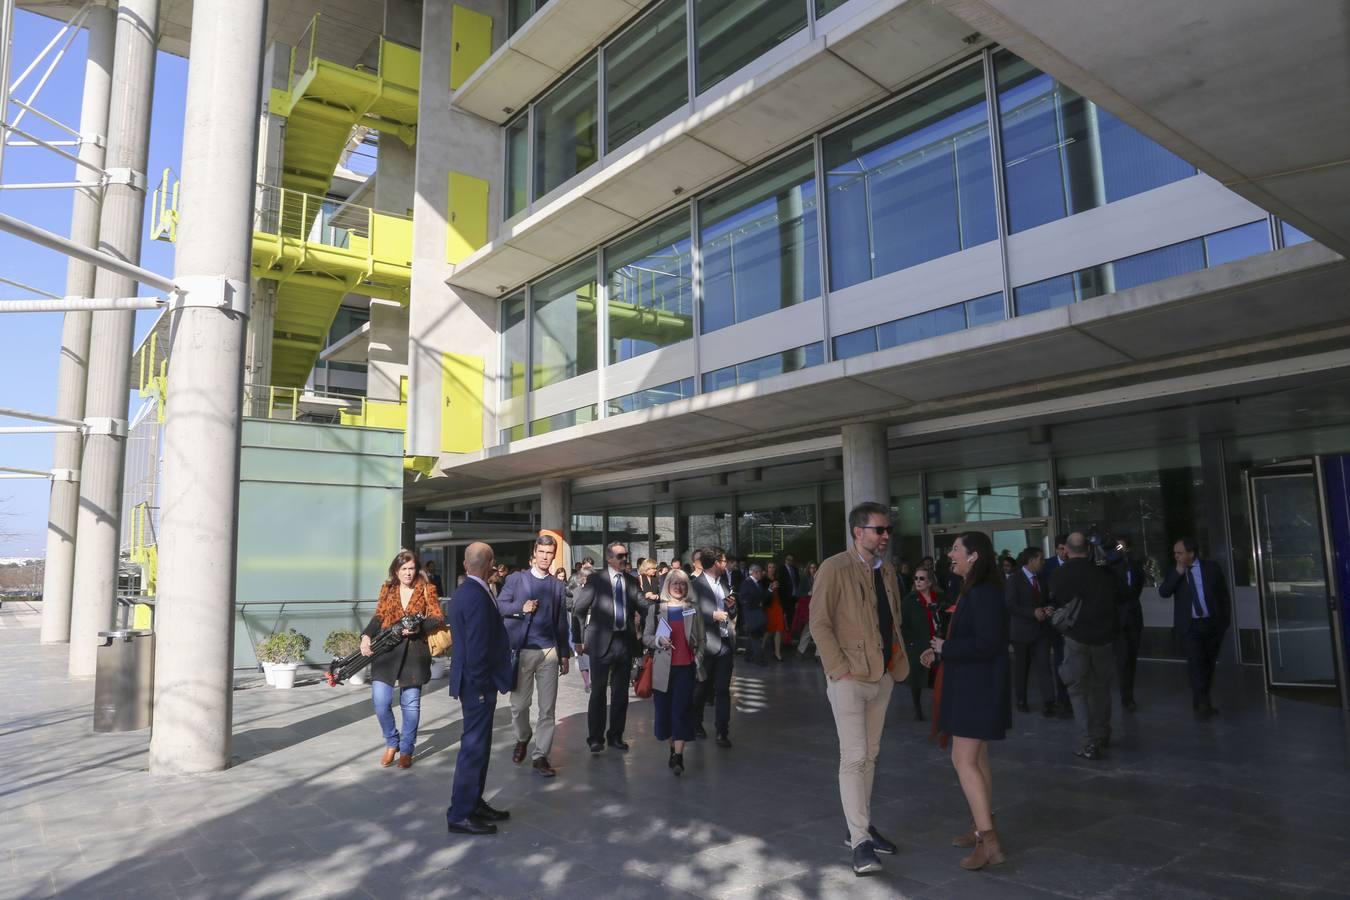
{"x":1065,"y":617}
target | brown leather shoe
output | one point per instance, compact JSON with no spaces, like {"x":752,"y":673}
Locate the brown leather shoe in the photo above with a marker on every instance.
{"x":543,"y":768}
{"x":405,"y":760}
{"x":388,"y":759}
{"x":988,"y":851}
{"x":518,"y":754}
{"x":965,"y":841}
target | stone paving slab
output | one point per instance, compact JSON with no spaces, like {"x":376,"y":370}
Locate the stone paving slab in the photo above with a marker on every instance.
{"x":1254,"y":804}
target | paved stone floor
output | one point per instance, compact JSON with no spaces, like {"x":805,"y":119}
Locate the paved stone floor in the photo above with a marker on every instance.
{"x":1252,"y":805}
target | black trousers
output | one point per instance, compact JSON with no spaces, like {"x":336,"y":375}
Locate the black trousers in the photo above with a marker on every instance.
{"x":716,"y":685}
{"x":1057,"y":655}
{"x":614,"y":672}
{"x":1033,"y":657}
{"x":1203,"y":640}
{"x":1127,"y":658}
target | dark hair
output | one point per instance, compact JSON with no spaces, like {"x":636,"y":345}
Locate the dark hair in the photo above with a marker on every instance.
{"x":708,"y":556}
{"x":402,"y":559}
{"x":1189,"y":543}
{"x":588,"y":561}
{"x":1028,"y":555}
{"x":609,"y":548}
{"x":1061,"y":539}
{"x":858,"y":515}
{"x":984,"y":570}
{"x":545,"y":540}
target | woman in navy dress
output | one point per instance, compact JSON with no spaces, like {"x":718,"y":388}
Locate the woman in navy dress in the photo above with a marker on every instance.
{"x":976,"y":704}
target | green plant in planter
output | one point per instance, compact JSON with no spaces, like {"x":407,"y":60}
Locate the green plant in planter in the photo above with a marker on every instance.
{"x":283,"y":647}
{"x":341,"y":642}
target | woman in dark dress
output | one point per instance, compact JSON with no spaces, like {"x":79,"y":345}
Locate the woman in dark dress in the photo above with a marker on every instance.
{"x":976,"y":704}
{"x":918,"y":626}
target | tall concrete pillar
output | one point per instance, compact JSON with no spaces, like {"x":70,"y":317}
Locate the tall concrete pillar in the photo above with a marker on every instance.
{"x":64,"y":509}
{"x":555,"y":513}
{"x":119,"y":233}
{"x":866,"y":476}
{"x":194,"y":646}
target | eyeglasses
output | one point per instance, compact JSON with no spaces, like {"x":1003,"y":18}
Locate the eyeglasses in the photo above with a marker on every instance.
{"x":879,"y":529}
{"x":918,"y":578}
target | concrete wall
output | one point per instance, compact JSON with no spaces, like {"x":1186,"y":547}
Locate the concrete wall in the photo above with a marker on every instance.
{"x":442,"y":319}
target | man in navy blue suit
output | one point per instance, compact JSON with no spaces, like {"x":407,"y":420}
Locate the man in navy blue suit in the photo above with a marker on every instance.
{"x":1201,"y":613}
{"x":480,"y":669}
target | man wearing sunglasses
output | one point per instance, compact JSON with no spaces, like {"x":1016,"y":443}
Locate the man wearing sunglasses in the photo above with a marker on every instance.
{"x":610,"y":597}
{"x":855,"y":621}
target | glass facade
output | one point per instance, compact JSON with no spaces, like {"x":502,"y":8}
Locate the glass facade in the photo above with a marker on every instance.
{"x":957,"y":317}
{"x":630,"y":528}
{"x":566,"y":129}
{"x":1063,"y":154}
{"x":651,"y":288}
{"x":518,"y":12}
{"x":760,"y":243}
{"x":1292,"y":235}
{"x":911,"y":182}
{"x":772,"y":524}
{"x":828,"y":6}
{"x":676,"y":390}
{"x":562,"y":420}
{"x":562,"y":335}
{"x":517,"y":165}
{"x":588,"y":537}
{"x":765,"y":367}
{"x":1020,"y":491}
{"x":732,"y":33}
{"x":646,"y":73}
{"x":513,"y":383}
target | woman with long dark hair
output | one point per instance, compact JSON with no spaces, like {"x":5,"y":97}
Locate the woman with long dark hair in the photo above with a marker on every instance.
{"x":975,"y":687}
{"x":408,"y":663}
{"x":918,"y":626}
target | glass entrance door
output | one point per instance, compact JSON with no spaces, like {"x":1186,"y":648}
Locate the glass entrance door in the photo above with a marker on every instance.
{"x":1012,"y":535}
{"x":1291,"y":565}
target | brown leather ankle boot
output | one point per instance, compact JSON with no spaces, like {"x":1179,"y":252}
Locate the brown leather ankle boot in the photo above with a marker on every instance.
{"x":965,"y":841}
{"x":987,"y":851}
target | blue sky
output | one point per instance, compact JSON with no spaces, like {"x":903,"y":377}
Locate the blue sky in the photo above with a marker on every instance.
{"x":30,"y":343}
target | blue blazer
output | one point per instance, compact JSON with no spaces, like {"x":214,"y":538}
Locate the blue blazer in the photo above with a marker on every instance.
{"x":481,"y":659}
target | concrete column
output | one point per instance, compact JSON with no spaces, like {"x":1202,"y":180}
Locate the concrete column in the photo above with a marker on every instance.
{"x":194,"y":648}
{"x":64,"y":510}
{"x":865,"y":473}
{"x":258,"y":347}
{"x":119,"y":233}
{"x":1218,"y":524}
{"x":555,"y":506}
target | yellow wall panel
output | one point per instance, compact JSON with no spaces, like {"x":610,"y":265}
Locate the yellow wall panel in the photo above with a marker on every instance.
{"x":472,"y":33}
{"x":467,"y":214}
{"x":393,"y":238}
{"x":461,"y":403}
{"x":400,"y":65}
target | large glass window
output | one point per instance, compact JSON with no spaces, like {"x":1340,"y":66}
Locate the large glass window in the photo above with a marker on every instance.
{"x":676,"y":390}
{"x":704,"y":523}
{"x":760,"y":243}
{"x":1062,"y":154}
{"x":651,"y":288}
{"x":1017,"y":491}
{"x":646,"y":73}
{"x":562,"y":341}
{"x":518,"y":12}
{"x":1292,"y":235}
{"x":559,"y":421}
{"x":731,"y":33}
{"x":765,"y":367}
{"x":663,"y":532}
{"x":588,"y":537}
{"x":958,"y":316}
{"x":517,"y":165}
{"x":911,"y":182}
{"x":827,"y":6}
{"x":630,"y":527}
{"x":514,"y":347}
{"x":566,"y":136}
{"x":773,"y":524}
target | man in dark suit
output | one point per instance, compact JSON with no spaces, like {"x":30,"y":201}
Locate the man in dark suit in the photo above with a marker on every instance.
{"x":751,"y":598}
{"x":1129,"y":571}
{"x":1029,"y":630}
{"x":610,"y":597}
{"x":1201,"y":613}
{"x":1063,"y":707}
{"x":718,"y":607}
{"x":480,"y":668}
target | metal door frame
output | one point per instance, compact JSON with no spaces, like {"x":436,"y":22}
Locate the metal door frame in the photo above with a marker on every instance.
{"x":1300,"y":468}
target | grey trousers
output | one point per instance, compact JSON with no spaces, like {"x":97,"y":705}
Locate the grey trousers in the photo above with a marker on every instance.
{"x":1088,"y":672}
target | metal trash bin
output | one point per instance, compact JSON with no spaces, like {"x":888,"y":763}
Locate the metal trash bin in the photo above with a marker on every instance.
{"x":124,"y":680}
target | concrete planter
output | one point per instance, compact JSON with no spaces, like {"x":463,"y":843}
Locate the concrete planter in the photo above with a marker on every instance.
{"x":284,"y":675}
{"x":358,"y":678}
{"x":268,"y":673}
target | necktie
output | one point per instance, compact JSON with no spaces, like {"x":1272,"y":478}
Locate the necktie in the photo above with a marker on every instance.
{"x":619,"y":619}
{"x":1035,"y":586}
{"x":1197,"y":608}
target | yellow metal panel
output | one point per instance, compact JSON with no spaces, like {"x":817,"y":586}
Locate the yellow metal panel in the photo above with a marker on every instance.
{"x":424,"y":464}
{"x":384,"y":414}
{"x":472,"y":33}
{"x":461,"y":403}
{"x":400,"y":65}
{"x":467,"y":228}
{"x":392,"y":239}
{"x":279,"y":102}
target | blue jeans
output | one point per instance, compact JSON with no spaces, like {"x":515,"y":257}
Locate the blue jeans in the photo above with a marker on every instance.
{"x":410,"y":700}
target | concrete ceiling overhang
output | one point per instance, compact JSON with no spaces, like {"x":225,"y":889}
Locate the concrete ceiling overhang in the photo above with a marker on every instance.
{"x":286,"y":22}
{"x":1254,"y":93}
{"x":1272,"y":306}
{"x":777,"y":100}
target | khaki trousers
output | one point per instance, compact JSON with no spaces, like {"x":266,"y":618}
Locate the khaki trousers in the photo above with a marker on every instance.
{"x":859,"y":715}
{"x":537,"y":667}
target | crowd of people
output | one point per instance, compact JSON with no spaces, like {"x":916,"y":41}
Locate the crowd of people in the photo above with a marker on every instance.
{"x":976,"y":628}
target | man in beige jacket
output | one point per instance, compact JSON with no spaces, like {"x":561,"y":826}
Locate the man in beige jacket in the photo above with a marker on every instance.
{"x":855,"y":621}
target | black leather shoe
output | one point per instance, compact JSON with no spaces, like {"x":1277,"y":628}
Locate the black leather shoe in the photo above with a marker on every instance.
{"x":865,"y":860}
{"x":1023,"y":708}
{"x":1089,"y":752}
{"x":723,"y":741}
{"x":469,"y":826}
{"x":487,"y":814}
{"x":879,"y":843}
{"x":596,"y":746}
{"x":699,"y":732}
{"x":618,"y":744}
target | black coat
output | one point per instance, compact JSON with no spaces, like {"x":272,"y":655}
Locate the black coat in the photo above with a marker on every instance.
{"x":1102,"y":595}
{"x":605,"y":642}
{"x":409,"y":662}
{"x":1132,"y":613}
{"x":1023,"y":601}
{"x":976,"y":673}
{"x":707,"y":605}
{"x":1214,"y":587}
{"x":751,"y":599}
